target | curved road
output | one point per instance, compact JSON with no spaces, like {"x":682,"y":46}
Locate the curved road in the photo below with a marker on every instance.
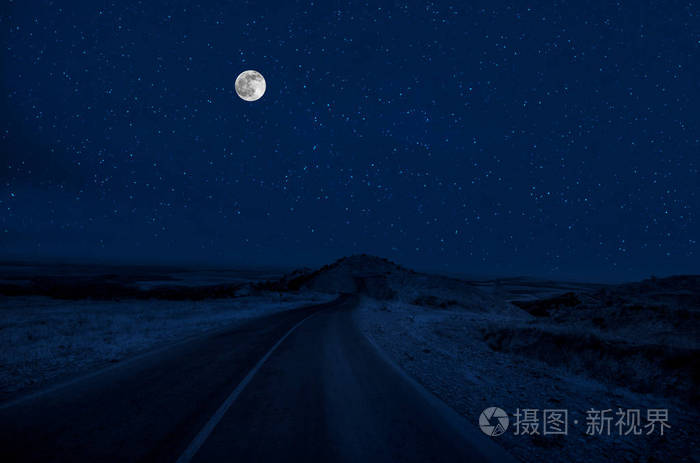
{"x":303,"y":385}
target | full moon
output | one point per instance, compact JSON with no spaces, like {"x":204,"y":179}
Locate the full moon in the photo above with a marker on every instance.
{"x":250,"y":85}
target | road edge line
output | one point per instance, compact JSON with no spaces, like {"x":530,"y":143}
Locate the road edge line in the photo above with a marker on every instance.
{"x":206,"y":431}
{"x":485,"y":448}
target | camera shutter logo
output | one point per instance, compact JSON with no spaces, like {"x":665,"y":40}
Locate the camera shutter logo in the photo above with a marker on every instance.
{"x":493,"y":421}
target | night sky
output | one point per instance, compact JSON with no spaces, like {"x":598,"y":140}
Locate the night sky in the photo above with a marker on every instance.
{"x":556,"y":139}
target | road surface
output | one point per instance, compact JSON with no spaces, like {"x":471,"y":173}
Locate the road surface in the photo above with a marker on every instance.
{"x":302,"y":385}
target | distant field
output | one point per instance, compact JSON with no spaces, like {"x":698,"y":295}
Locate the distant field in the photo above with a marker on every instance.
{"x":114,"y":281}
{"x":146,"y":275}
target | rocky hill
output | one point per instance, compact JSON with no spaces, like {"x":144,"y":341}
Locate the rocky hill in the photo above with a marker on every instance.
{"x":383,"y":279}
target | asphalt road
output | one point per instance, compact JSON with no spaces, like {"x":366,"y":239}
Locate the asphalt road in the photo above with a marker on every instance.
{"x":324,"y":393}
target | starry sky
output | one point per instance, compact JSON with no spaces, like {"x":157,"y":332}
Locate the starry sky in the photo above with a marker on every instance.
{"x":548,"y":138}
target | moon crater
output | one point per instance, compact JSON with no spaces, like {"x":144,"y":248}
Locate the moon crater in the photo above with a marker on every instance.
{"x":250,"y":85}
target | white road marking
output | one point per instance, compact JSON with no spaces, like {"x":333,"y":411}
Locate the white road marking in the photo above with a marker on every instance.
{"x":200,"y":438}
